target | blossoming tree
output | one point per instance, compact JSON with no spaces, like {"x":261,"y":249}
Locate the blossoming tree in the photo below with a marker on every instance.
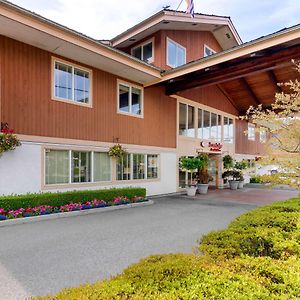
{"x":282,"y":122}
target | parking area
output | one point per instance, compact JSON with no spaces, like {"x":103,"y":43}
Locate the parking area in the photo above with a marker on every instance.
{"x":44,"y":257}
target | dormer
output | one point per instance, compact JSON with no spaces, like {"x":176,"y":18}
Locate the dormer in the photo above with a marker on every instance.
{"x":169,"y":39}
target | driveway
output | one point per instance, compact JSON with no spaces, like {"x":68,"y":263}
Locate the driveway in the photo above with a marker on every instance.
{"x":44,"y":257}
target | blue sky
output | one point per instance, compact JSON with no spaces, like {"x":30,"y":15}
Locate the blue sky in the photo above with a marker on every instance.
{"x":104,"y":19}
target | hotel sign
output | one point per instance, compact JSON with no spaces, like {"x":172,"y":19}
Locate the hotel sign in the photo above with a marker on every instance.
{"x":215,"y":147}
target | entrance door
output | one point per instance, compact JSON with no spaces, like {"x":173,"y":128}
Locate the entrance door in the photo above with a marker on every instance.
{"x":213,"y":166}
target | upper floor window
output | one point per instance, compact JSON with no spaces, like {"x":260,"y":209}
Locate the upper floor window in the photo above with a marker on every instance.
{"x":176,"y":54}
{"x":262,"y":135}
{"x":251,"y":132}
{"x":209,"y":125}
{"x":208,"y":51}
{"x":71,"y":83}
{"x":130,"y":99}
{"x":144,"y":52}
{"x":186,"y":120}
{"x":228,"y":130}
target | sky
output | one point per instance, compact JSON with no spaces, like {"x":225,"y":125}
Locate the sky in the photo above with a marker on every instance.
{"x":104,"y":19}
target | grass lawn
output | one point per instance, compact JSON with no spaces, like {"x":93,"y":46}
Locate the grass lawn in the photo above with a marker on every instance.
{"x":256,"y":257}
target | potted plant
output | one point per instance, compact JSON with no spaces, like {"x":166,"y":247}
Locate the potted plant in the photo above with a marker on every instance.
{"x":241,"y":182}
{"x":117,"y":151}
{"x":233,"y":177}
{"x":227,"y":165}
{"x":203,"y":177}
{"x":241,"y":165}
{"x":190,"y":164}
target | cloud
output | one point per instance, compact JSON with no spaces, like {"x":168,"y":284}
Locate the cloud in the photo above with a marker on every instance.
{"x":103,"y":19}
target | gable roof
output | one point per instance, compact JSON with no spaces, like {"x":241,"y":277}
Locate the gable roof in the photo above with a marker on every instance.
{"x":220,"y":26}
{"x":28,"y":27}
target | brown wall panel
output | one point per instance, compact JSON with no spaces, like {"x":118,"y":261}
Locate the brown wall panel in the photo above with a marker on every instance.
{"x":193,"y":41}
{"x":243,"y":145}
{"x":28,"y":108}
{"x":210,"y":96}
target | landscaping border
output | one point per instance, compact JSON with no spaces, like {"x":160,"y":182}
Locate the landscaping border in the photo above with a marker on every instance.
{"x":54,"y":216}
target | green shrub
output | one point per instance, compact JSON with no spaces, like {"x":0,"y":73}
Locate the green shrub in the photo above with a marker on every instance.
{"x":58,"y":199}
{"x":255,"y":179}
{"x":187,"y":276}
{"x":268,"y":231}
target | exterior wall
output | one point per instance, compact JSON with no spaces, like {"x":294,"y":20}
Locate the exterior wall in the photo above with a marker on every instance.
{"x":27,"y":106}
{"x":193,"y":41}
{"x":245,"y":146}
{"x":21,"y":171}
{"x":210,"y":96}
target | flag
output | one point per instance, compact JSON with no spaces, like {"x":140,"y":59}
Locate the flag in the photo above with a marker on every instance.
{"x":190,"y":8}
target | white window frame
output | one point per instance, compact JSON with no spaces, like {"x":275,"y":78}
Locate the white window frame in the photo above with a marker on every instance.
{"x":130,"y":86}
{"x":73,"y":66}
{"x":223,"y":130}
{"x":145,"y":168}
{"x":151,"y":59}
{"x":70,"y":182}
{"x":250,"y":134}
{"x":177,"y":45}
{"x":207,"y":47}
{"x":263,"y":135}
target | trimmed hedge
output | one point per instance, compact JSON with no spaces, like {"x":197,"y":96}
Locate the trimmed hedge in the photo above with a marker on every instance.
{"x":59,"y":199}
{"x":266,"y":267}
{"x":268,"y":231}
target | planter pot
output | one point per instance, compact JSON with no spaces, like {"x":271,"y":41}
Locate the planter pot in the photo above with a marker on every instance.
{"x":191,"y":190}
{"x":233,"y":184}
{"x":241,"y":184}
{"x":202,"y":188}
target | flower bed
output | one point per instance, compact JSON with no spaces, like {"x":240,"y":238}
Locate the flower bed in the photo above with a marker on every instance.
{"x":48,"y":209}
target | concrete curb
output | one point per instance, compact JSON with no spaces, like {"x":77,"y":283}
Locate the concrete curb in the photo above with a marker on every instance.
{"x":11,"y":222}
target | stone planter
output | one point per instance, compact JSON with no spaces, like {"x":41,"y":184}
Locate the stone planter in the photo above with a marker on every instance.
{"x":241,"y":184}
{"x":233,"y":184}
{"x":191,"y":190}
{"x":202,"y":188}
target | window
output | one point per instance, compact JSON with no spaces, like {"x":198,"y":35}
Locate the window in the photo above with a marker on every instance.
{"x":152,"y":166}
{"x":71,"y":83}
{"x":262,"y":135}
{"x":208,"y":51}
{"x":137,"y":167}
{"x":102,"y":167}
{"x":209,"y":125}
{"x":67,"y":167}
{"x":176,"y":54}
{"x":251,"y":132}
{"x":228,"y":130}
{"x":81,"y":166}
{"x":124,"y":167}
{"x":186,"y":120}
{"x":144,"y":52}
{"x":130,"y":99}
{"x":56,"y":166}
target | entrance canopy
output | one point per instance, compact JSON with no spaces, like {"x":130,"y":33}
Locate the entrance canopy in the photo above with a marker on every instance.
{"x":248,"y":78}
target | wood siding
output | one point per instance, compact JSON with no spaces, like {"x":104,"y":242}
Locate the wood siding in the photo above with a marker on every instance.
{"x":28,"y":108}
{"x":210,"y":96}
{"x":193,"y":41}
{"x":243,"y":145}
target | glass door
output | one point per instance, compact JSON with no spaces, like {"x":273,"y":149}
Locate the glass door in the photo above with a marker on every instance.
{"x":213,"y":171}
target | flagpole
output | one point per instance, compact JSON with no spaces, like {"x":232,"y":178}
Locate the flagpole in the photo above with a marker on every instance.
{"x":178,"y":6}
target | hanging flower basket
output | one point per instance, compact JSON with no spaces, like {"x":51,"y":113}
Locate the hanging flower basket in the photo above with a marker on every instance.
{"x":8,"y":140}
{"x":117,"y":151}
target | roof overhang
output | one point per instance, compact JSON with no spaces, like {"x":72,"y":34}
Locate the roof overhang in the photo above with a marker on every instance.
{"x":22,"y":25}
{"x":221,"y":27}
{"x":284,"y":38}
{"x":249,"y":72}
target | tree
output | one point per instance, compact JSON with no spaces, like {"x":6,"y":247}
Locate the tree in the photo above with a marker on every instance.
{"x":282,"y":123}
